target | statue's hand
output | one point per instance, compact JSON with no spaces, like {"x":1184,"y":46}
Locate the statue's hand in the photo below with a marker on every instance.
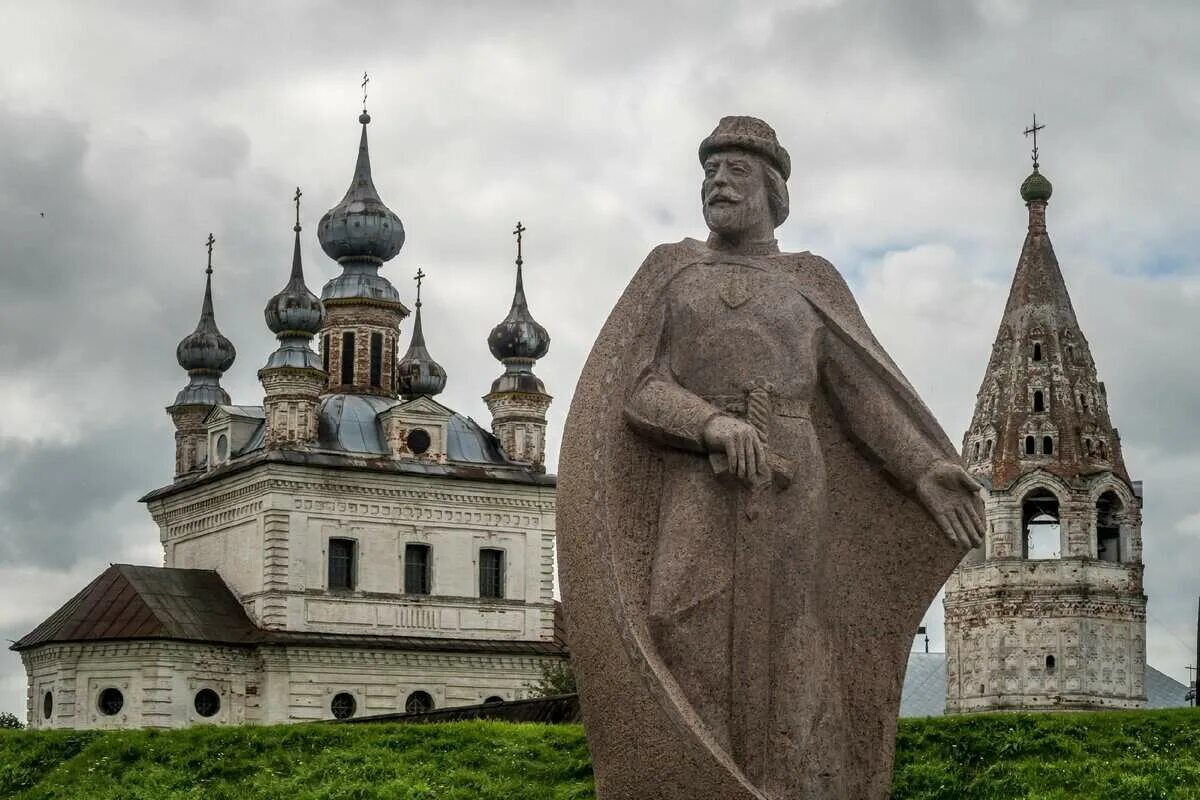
{"x":741,"y":443}
{"x":952,"y":497}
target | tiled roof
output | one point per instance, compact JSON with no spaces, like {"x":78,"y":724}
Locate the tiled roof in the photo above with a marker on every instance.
{"x":137,"y":602}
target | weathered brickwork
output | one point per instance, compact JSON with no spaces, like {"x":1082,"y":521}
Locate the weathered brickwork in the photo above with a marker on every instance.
{"x":1050,"y":613}
{"x":519,"y":422}
{"x":362,"y":318}
{"x":191,"y":437}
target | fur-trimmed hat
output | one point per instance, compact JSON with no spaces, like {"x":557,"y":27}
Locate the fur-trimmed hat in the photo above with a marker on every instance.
{"x":748,"y":133}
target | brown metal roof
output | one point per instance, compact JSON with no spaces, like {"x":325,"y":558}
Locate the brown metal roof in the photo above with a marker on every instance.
{"x":137,"y":602}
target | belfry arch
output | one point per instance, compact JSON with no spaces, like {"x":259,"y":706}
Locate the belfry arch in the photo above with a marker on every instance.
{"x":1110,"y":517}
{"x":1040,"y":526}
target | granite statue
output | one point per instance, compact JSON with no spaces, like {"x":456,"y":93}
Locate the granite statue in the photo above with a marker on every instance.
{"x":754,"y":510}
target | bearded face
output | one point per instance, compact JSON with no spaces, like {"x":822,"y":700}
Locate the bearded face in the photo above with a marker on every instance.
{"x":734,"y":194}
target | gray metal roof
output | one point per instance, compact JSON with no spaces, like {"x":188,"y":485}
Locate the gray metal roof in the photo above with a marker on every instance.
{"x":350,"y":422}
{"x":925,"y":687}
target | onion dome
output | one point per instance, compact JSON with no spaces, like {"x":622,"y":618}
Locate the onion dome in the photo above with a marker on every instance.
{"x":361,"y":226}
{"x":205,"y":352}
{"x":295,"y":314}
{"x":418,"y":374}
{"x":1036,"y":188}
{"x":519,"y":336}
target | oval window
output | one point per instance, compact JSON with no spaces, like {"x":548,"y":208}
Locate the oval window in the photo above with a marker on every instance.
{"x":47,"y":705}
{"x":343,"y":705}
{"x":493,"y":700}
{"x":207,"y":703}
{"x":418,"y":440}
{"x":111,"y":702}
{"x":418,"y":703}
{"x":222,"y":447}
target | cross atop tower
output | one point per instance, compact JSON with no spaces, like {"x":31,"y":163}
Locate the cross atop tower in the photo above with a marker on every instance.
{"x":418,"y":278}
{"x":520,"y":229}
{"x":297,"y":201}
{"x":209,"y":243}
{"x":1032,"y":130}
{"x":365,"y":81}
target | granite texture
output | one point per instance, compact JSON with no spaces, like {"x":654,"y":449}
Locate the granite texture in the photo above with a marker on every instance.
{"x":755,"y":509}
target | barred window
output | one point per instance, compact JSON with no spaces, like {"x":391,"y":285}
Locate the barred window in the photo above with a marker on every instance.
{"x":207,"y":703}
{"x":376,"y":359}
{"x":418,"y":703}
{"x":491,"y":573}
{"x":111,"y":702}
{"x":341,"y":564}
{"x":343,"y":705}
{"x":416,"y":569}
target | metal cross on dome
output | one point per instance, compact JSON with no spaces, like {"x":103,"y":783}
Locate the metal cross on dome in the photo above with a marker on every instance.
{"x":365,"y":81}
{"x":297,"y":200}
{"x":520,"y":229}
{"x":1033,"y":131}
{"x":418,"y":278}
{"x":209,"y":243}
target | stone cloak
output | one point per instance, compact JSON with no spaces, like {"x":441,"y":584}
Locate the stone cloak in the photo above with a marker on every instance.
{"x":645,"y":739}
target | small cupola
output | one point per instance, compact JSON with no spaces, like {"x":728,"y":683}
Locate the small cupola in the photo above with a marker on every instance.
{"x":205,"y":352}
{"x":418,"y":374}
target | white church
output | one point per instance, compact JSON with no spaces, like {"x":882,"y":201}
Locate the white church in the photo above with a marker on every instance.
{"x":348,"y":547}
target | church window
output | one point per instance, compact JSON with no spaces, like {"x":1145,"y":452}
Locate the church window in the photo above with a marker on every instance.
{"x":976,"y":453}
{"x":376,"y":359}
{"x":1037,"y":351}
{"x":207,"y":703}
{"x":1050,"y":663}
{"x":1048,"y":445}
{"x":343,"y":705}
{"x":1029,"y":446}
{"x":989,"y":448}
{"x":418,"y":703}
{"x":348,"y":357}
{"x":1108,"y":527}
{"x":1039,"y":401}
{"x":1040,"y":523}
{"x":1083,"y":403}
{"x":47,"y":705}
{"x":416,"y":569}
{"x":1071,"y":353}
{"x":418,"y":440}
{"x":341,"y":563}
{"x":493,"y":700}
{"x":1100,"y":447}
{"x":325,"y":353}
{"x":111,"y":702}
{"x":491,"y":573}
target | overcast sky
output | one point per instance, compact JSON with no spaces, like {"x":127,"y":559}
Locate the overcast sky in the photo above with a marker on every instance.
{"x":137,"y":131}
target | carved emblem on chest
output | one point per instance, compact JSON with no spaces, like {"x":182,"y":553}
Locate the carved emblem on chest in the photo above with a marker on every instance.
{"x":735,"y":287}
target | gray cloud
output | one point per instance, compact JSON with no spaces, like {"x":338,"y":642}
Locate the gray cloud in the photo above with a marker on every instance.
{"x":151,"y":125}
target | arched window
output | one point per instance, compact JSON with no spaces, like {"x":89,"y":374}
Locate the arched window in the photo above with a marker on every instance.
{"x":1083,"y":403}
{"x":376,"y":359}
{"x":976,"y":454}
{"x":1040,"y":523}
{"x":1108,"y":527}
{"x":1071,"y":353}
{"x":493,"y":700}
{"x":1039,"y":401}
{"x":1030,"y":446}
{"x":1050,"y":663}
{"x":1037,"y":351}
{"x":989,"y":448}
{"x":418,"y":703}
{"x":1048,"y":445}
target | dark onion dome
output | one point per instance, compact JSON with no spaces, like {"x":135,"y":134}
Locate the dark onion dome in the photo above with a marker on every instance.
{"x":295,"y":310}
{"x":417,"y":373}
{"x":206,"y":348}
{"x":361,"y":226}
{"x":205,"y":353}
{"x":1036,"y":188}
{"x":519,"y":336}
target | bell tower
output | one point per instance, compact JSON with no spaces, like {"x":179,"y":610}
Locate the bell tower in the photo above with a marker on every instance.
{"x":1049,"y":613}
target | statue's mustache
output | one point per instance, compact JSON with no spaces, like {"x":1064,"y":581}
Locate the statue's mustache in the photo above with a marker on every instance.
{"x":723,"y":197}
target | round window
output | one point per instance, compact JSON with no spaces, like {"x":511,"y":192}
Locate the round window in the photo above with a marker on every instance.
{"x":418,"y":440}
{"x":47,"y":705}
{"x":222,"y":447}
{"x":343,"y":705}
{"x":111,"y":702}
{"x":493,"y":700}
{"x":207,"y":703}
{"x":418,"y":703}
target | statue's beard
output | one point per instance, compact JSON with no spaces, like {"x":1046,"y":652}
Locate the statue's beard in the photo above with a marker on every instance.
{"x":735,"y":219}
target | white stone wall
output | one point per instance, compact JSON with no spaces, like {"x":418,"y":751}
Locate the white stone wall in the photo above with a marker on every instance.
{"x":267,"y":532}
{"x":159,"y":681}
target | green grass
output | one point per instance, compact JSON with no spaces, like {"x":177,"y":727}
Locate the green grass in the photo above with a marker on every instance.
{"x":1114,"y":756}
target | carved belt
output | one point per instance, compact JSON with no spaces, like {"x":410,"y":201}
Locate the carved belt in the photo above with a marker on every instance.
{"x":780,"y":407}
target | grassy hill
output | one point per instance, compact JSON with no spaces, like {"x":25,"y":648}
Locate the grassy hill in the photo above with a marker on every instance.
{"x":1116,"y":756}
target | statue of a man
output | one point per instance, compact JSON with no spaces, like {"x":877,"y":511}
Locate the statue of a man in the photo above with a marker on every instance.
{"x":755,"y":508}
